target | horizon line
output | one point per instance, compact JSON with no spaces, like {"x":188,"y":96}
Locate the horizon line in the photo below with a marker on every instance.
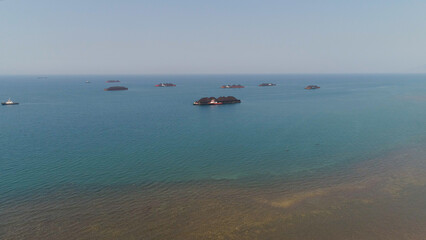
{"x":195,"y":74}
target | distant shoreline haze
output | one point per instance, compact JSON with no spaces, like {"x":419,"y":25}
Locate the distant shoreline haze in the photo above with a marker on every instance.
{"x":201,"y":37}
{"x":112,"y":75}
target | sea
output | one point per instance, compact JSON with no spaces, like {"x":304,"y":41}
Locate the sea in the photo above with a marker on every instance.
{"x":346,"y":161}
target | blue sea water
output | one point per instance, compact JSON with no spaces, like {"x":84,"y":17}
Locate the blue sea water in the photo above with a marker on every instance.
{"x":67,"y":132}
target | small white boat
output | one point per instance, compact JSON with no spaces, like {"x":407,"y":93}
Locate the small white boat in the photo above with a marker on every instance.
{"x":9,"y":102}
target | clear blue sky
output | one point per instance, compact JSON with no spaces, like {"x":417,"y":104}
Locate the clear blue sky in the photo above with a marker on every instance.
{"x":218,"y":36}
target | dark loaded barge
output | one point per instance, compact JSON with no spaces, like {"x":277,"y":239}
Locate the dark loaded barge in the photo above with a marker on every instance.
{"x":267,"y":84}
{"x":217,"y":101}
{"x":116,"y":88}
{"x":232,"y":86}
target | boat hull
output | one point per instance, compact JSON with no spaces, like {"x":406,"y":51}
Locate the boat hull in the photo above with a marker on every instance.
{"x":165,"y":85}
{"x":205,"y":104}
{"x":116,"y":88}
{"x":312,"y":87}
{"x":6,"y":104}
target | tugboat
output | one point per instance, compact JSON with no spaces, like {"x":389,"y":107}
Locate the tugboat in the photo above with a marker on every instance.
{"x":207,"y":101}
{"x":312,"y":87}
{"x":116,"y":88}
{"x":217,"y":101}
{"x":267,"y":84}
{"x":165,"y":85}
{"x":9,"y":102}
{"x":232,"y":86}
{"x":112,"y":81}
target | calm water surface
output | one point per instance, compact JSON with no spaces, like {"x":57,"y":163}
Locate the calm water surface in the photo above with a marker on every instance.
{"x":74,"y":156}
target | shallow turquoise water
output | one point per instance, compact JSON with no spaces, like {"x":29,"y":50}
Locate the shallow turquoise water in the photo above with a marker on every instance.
{"x":69,"y":133}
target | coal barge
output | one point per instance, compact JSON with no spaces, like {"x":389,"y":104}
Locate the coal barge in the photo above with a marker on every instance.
{"x":116,"y":88}
{"x":232,"y":86}
{"x":267,"y":84}
{"x":217,"y":101}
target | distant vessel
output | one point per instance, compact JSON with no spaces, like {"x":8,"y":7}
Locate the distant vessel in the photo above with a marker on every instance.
{"x":207,"y":101}
{"x":9,"y":102}
{"x":165,"y":85}
{"x":309,"y":87}
{"x":217,"y":101}
{"x":116,"y":88}
{"x":87,"y":81}
{"x":232,"y":86}
{"x":267,"y":84}
{"x":43,"y":77}
{"x":112,"y":81}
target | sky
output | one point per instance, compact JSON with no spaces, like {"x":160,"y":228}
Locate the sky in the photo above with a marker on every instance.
{"x":212,"y":37}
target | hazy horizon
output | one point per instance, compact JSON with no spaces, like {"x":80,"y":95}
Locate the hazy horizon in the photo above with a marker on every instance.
{"x":204,"y":74}
{"x":216,"y":37}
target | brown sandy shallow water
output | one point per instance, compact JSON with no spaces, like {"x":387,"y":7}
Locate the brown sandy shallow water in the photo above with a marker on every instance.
{"x":383,"y":198}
